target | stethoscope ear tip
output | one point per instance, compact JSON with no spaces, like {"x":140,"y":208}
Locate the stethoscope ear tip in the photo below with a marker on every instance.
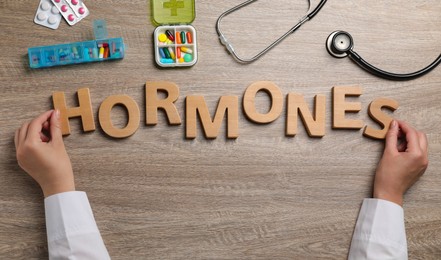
{"x":339,"y":43}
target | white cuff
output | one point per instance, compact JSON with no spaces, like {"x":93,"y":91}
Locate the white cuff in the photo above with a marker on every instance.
{"x":71,"y":229}
{"x":379,"y":232}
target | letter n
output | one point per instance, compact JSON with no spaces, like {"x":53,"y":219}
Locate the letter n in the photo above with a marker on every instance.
{"x":315,"y":125}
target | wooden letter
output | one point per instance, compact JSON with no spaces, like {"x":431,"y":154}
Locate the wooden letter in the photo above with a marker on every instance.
{"x":196,"y":105}
{"x":276,"y":102}
{"x":132,"y":111}
{"x":296,"y":104}
{"x":167,"y":104}
{"x":381,"y":118}
{"x":341,"y":107}
{"x":84,"y":110}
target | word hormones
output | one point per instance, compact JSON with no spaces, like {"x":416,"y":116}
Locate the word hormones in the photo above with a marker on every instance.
{"x":228,"y":107}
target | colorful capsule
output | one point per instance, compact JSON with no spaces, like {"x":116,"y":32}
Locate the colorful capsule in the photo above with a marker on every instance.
{"x":167,"y":61}
{"x":186,"y":50}
{"x":181,"y":60}
{"x":106,"y":52}
{"x":95,"y":53}
{"x":167,"y":53}
{"x":170,"y":35}
{"x":178,"y":53}
{"x":161,"y":53}
{"x":183,"y":37}
{"x":172,"y":53}
{"x":189,"y":38}
{"x":178,"y":38}
{"x":101,"y":53}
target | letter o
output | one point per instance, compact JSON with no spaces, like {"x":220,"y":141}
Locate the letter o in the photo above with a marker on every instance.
{"x":133,"y":116}
{"x":276,"y":102}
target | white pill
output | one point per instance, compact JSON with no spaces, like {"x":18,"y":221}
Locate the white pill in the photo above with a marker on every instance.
{"x":41,"y":16}
{"x":52,"y":20}
{"x":45,"y":6}
{"x":55,"y":10}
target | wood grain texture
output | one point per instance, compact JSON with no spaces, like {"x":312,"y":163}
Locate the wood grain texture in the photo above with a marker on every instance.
{"x":158,"y":195}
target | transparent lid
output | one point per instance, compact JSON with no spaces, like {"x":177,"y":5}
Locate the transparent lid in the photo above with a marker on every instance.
{"x":172,"y":11}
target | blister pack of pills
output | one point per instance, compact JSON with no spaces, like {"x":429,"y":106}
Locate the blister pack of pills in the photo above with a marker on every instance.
{"x":73,"y":11}
{"x":47,"y":15}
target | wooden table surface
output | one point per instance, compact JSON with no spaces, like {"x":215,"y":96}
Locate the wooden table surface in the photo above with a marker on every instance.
{"x":158,"y":195}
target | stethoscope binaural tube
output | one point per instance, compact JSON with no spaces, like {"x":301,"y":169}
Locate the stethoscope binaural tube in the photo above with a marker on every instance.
{"x":340,"y":44}
{"x":229,"y":46}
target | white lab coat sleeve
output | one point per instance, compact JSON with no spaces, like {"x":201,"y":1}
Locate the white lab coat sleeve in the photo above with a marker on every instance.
{"x":379,"y":232}
{"x":71,"y":229}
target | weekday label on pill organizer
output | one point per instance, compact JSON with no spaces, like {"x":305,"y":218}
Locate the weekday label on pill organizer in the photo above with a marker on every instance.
{"x":175,"y":46}
{"x":47,"y":15}
{"x":73,"y":11}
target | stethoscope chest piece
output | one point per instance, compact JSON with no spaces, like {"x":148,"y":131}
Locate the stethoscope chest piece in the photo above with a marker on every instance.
{"x":339,"y":43}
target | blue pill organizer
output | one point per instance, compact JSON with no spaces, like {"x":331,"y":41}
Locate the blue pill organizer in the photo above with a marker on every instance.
{"x":76,"y":52}
{"x":100,"y":49}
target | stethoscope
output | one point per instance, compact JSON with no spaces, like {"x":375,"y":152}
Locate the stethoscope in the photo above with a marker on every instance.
{"x":309,"y":15}
{"x":339,"y":44}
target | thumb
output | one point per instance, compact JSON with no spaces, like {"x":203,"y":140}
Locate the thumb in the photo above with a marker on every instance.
{"x":392,"y":136}
{"x":55,"y":127}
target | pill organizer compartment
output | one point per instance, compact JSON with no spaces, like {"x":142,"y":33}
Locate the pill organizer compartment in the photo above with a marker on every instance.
{"x":172,"y":18}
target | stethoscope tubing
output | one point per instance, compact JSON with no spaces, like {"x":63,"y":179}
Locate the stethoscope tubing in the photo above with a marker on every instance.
{"x":229,"y":46}
{"x":389,"y":75}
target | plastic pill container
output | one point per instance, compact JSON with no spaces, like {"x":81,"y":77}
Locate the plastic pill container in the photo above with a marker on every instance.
{"x":102,"y":48}
{"x":76,"y":52}
{"x":175,"y":40}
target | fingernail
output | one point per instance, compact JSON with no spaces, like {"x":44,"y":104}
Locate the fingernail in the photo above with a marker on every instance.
{"x":57,"y":114}
{"x":393,"y":124}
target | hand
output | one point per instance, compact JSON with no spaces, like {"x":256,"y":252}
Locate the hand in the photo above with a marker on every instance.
{"x":41,"y":153}
{"x":402,"y":163}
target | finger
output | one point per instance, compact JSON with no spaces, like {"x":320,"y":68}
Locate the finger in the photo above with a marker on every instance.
{"x":36,"y":125}
{"x":45,"y":134}
{"x":55,"y":127}
{"x":411,"y":136}
{"x":392,"y":136}
{"x":400,"y":133}
{"x":23,"y":132}
{"x":402,"y":143}
{"x":423,"y":142}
